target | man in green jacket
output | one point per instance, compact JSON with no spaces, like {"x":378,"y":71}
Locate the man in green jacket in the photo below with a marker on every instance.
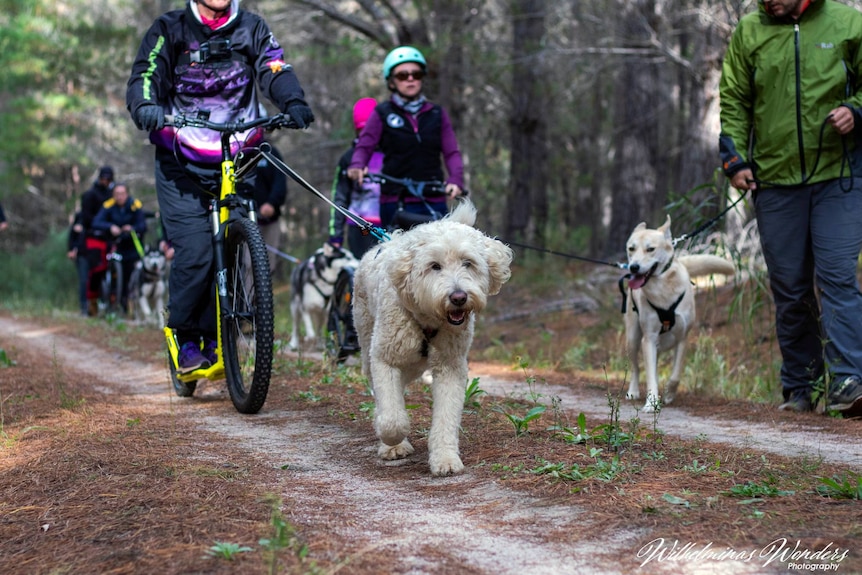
{"x":790,"y":105}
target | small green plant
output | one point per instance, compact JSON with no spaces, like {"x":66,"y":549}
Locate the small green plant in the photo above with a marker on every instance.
{"x":283,"y":536}
{"x":5,"y":360}
{"x":569,"y":435}
{"x":223,"y":550}
{"x":847,"y":486}
{"x":696,"y":468}
{"x":532,"y":394}
{"x":522,"y":424}
{"x":367,"y":407}
{"x":611,"y":433}
{"x":600,"y":469}
{"x":311,"y":396}
{"x":472,"y":394}
{"x":751,"y":489}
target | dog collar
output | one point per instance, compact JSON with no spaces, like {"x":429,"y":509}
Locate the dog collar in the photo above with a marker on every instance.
{"x":667,"y":266}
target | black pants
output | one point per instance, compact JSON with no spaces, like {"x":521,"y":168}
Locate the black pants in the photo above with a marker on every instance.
{"x":185,"y":191}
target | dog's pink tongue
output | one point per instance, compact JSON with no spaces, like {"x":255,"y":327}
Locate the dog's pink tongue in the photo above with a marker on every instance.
{"x":636,"y":282}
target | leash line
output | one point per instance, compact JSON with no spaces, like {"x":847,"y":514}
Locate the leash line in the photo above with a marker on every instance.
{"x":711,"y":222}
{"x":281,"y":254}
{"x":618,"y":265}
{"x":367,"y":227}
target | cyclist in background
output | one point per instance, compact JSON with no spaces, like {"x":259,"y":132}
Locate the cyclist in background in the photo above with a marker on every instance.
{"x":77,"y":252}
{"x":413,"y":134}
{"x":118,"y":218}
{"x":208,"y":58}
{"x":363,"y":200}
{"x":92,"y":265}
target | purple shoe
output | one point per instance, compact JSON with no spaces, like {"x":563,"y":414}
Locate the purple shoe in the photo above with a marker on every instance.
{"x":209,"y":352}
{"x":191,"y":358}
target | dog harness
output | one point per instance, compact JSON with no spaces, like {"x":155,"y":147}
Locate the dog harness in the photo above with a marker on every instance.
{"x":667,"y":317}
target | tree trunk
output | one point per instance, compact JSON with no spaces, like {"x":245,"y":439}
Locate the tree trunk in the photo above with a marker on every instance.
{"x":528,"y":189}
{"x":636,"y":116}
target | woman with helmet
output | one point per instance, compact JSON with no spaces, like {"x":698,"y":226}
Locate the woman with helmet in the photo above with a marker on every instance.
{"x":360,"y":199}
{"x":413,"y":134}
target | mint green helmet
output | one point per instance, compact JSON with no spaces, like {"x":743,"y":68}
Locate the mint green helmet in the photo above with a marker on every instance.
{"x":401,"y":55}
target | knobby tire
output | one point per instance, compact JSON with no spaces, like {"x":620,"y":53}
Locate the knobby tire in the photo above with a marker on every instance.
{"x":112,"y":287}
{"x":247,"y":321}
{"x":342,"y":334}
{"x":181,"y":388}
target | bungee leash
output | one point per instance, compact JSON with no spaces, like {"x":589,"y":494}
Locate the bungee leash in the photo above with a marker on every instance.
{"x":366,"y":226}
{"x":845,"y":161}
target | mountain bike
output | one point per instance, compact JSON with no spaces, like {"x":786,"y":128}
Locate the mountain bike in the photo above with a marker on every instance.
{"x":113,"y":282}
{"x":244,"y":304}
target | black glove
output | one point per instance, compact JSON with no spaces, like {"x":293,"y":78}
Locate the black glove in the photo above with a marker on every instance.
{"x":301,"y":114}
{"x":150,"y":117}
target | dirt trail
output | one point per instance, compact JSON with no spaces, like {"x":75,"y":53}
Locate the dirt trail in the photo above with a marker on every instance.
{"x":333,"y":481}
{"x":773,"y":436}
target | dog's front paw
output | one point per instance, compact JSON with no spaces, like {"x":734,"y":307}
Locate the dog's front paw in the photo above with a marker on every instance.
{"x":633,"y":393}
{"x":392,"y":430}
{"x":670,"y":392}
{"x":652,"y":405}
{"x":390,"y":452}
{"x":446,"y":464}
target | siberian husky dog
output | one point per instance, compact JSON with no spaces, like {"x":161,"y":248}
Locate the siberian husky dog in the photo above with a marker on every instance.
{"x":312,"y":282}
{"x":661,"y":310}
{"x":147,"y":288}
{"x":415,"y":301}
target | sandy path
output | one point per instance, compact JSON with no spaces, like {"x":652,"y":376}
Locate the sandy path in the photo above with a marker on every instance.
{"x":333,"y":484}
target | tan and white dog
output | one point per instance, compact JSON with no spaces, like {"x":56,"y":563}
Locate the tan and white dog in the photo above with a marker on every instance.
{"x":662,"y":307}
{"x":415,"y":303}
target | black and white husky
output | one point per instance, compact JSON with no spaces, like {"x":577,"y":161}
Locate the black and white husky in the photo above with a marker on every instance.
{"x":147,"y":288}
{"x":312,"y":283}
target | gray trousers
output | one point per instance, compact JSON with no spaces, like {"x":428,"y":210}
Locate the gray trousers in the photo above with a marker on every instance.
{"x":811,"y":237}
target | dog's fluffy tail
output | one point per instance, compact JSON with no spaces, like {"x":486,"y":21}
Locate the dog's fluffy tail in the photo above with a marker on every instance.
{"x":704,"y":265}
{"x":464,"y":213}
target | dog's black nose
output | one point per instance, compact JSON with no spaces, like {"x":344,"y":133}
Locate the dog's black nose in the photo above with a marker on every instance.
{"x":634,"y":268}
{"x":458,"y":298}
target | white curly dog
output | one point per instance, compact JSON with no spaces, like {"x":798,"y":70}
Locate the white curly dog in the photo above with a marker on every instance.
{"x":415,"y":301}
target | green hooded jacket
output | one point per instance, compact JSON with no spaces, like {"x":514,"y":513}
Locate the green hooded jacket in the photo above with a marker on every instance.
{"x":780,"y":79}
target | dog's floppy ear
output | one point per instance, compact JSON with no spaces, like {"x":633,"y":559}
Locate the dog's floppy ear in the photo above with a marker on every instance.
{"x":665,"y":229}
{"x":499,"y":257}
{"x":399,"y":270}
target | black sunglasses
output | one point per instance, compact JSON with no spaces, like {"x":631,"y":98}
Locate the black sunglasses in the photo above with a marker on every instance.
{"x":403,"y":76}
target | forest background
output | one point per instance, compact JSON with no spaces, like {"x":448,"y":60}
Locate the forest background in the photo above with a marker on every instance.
{"x":577,"y":118}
